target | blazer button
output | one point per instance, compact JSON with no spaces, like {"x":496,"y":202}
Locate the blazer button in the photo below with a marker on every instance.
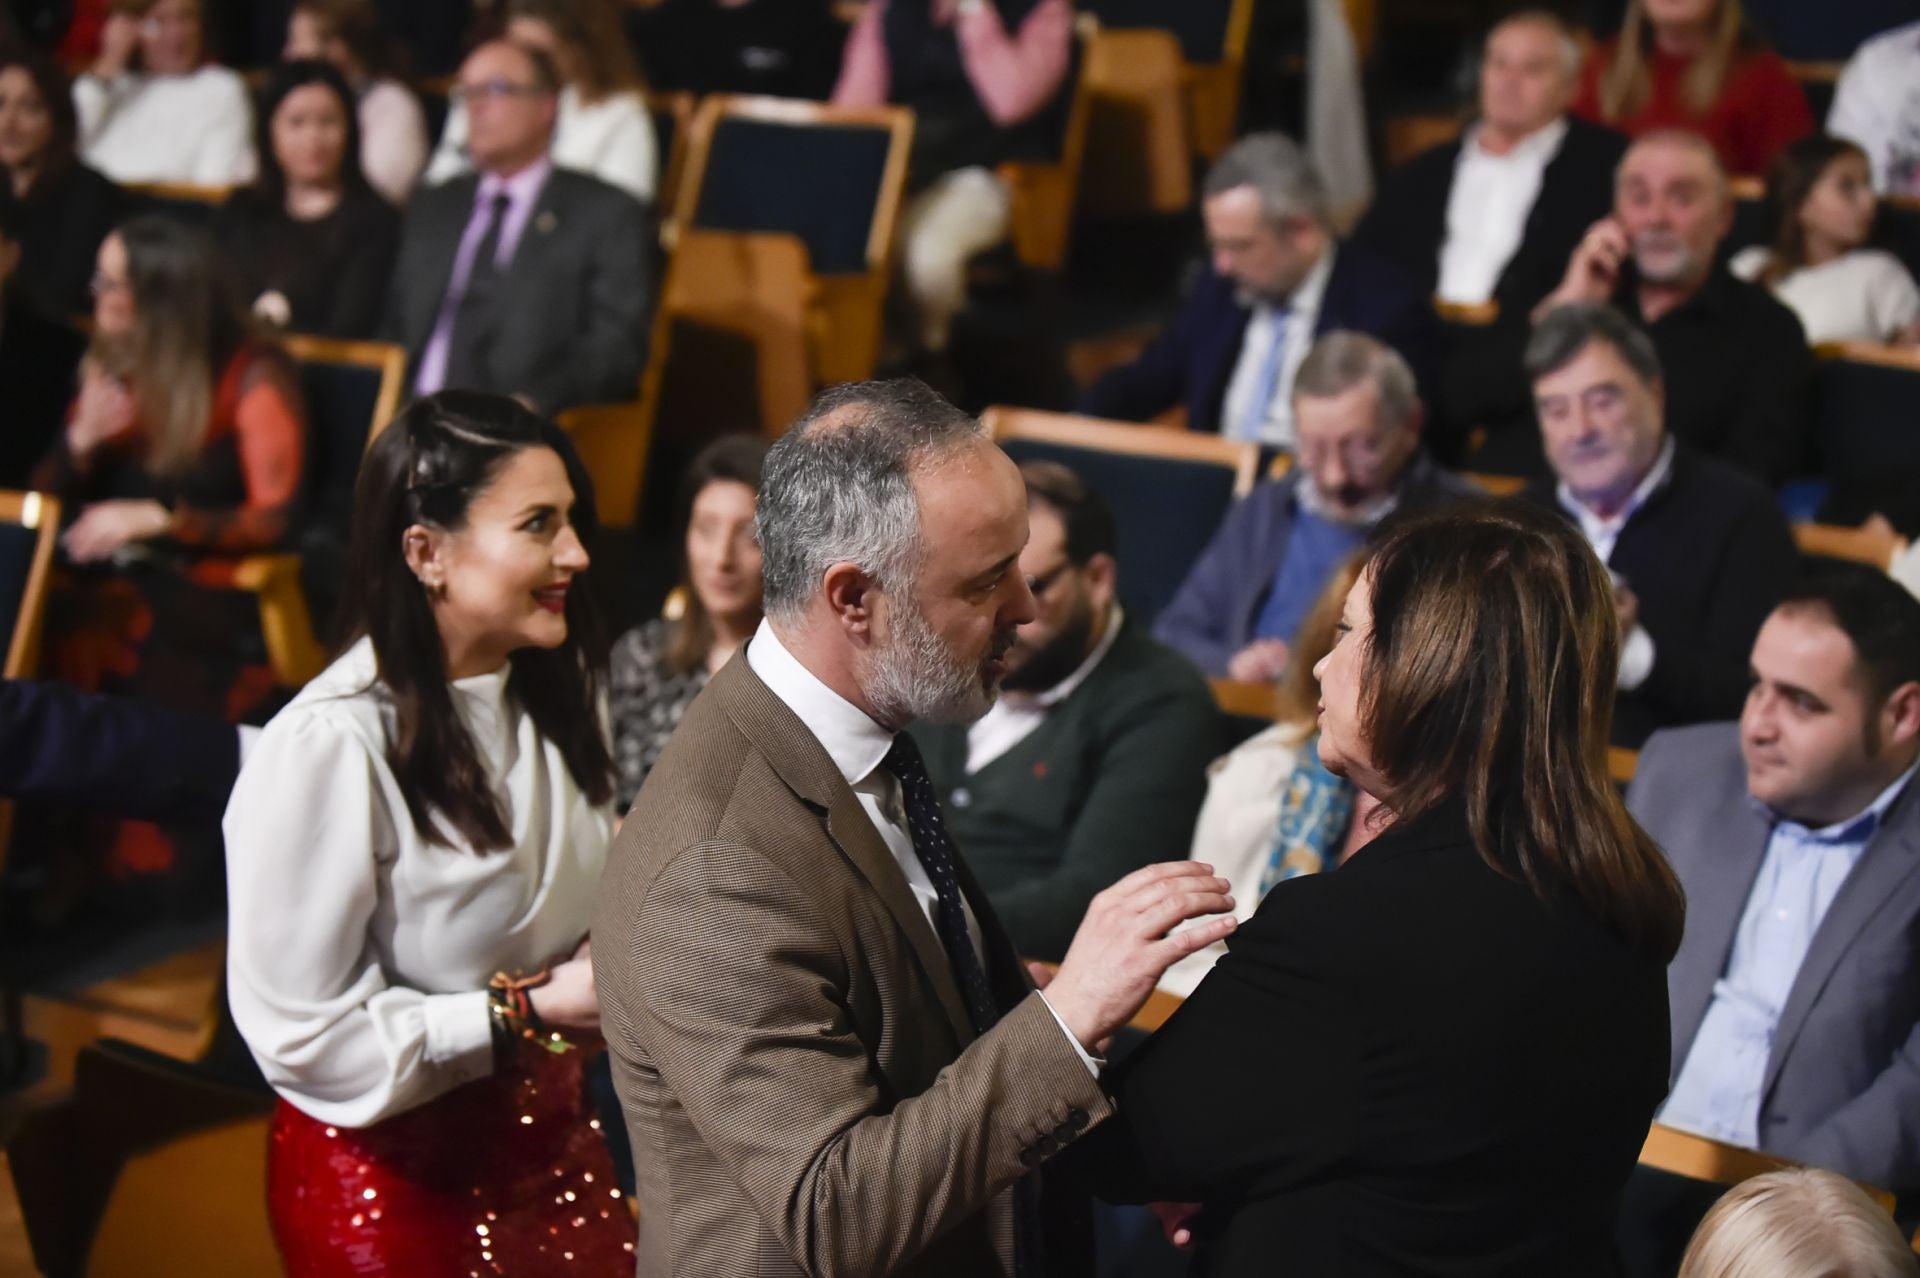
{"x":1047,"y":1146}
{"x":1063,"y":1133}
{"x":1077,"y":1119}
{"x":1031,"y":1157}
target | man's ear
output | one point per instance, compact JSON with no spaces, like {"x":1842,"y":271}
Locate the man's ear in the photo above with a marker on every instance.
{"x":1900,"y":717}
{"x":1102,"y":573}
{"x":850,"y":593}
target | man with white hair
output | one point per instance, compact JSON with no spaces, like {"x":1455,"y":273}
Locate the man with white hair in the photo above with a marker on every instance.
{"x":830,"y":1058}
{"x":1278,"y":279}
{"x":1738,"y":369}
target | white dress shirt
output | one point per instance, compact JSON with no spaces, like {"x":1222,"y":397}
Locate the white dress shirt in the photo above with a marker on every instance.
{"x":195,"y":128}
{"x":358,"y":953}
{"x":1301,"y":316}
{"x":1018,"y":715}
{"x":1487,"y":210}
{"x":1863,"y":296}
{"x":611,"y":139}
{"x":857,"y":745}
{"x":1636,"y":649}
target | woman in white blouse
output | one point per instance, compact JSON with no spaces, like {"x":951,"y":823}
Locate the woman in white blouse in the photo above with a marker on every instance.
{"x":413,"y":847}
{"x":604,"y":127}
{"x":1819,"y":264}
{"x":152,"y":110}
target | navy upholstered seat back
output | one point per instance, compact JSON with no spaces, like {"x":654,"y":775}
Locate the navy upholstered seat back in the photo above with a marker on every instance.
{"x":17,"y":545}
{"x":1200,"y":25}
{"x":1166,"y":510}
{"x":340,"y":400}
{"x":1868,"y":424}
{"x":820,"y":183}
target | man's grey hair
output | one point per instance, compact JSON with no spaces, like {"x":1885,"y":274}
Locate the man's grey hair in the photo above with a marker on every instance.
{"x":1342,"y":360}
{"x":1571,"y":56}
{"x":1287,"y":180}
{"x":838,"y":488}
{"x":1687,"y":140}
{"x":1563,"y":332}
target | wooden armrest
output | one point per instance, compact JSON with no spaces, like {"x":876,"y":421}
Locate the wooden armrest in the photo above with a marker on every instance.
{"x":285,"y":623}
{"x":1254,"y":700}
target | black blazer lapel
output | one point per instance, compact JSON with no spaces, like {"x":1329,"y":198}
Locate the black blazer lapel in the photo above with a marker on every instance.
{"x":1892,"y":856}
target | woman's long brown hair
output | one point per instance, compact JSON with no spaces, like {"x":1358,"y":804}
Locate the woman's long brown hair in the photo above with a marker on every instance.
{"x":1627,"y":80}
{"x":1790,"y":180}
{"x":1489,"y":679}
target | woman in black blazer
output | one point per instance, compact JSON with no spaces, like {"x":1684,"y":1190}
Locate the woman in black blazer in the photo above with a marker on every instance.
{"x":1442,"y":1057}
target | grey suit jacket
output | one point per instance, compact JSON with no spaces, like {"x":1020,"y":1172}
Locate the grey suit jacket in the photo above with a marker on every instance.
{"x":1842,"y":1087}
{"x":801,"y":1085}
{"x":571,"y":326}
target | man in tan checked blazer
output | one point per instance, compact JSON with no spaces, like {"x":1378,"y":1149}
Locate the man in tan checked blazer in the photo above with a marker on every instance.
{"x":830,"y":1059}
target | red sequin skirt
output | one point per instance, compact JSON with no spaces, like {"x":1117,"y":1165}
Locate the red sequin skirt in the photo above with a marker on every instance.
{"x":504,"y":1175}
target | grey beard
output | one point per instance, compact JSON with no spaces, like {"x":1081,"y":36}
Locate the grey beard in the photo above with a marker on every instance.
{"x":914,"y":677}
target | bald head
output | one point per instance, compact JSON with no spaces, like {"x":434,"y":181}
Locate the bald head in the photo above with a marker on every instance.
{"x":1671,"y":195}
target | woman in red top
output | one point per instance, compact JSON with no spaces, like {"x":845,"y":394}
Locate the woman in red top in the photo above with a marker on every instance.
{"x":1692,"y":64}
{"x":184,"y":450}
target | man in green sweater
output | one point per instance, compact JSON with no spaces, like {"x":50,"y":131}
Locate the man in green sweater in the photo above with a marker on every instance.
{"x":1093,"y":761}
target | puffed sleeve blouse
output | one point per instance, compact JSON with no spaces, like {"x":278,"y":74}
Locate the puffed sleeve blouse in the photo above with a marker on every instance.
{"x":358,"y":952}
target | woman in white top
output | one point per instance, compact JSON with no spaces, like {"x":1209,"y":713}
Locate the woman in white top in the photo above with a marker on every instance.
{"x":152,"y":110}
{"x":393,"y":128}
{"x":604,"y":127}
{"x":1819,"y":264}
{"x":413,"y":847}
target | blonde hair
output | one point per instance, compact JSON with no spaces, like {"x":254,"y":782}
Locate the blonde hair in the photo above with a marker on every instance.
{"x":1802,"y":1223}
{"x":1627,"y":82}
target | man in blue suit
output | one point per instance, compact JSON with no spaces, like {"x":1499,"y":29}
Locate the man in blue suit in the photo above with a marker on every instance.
{"x":1278,"y":278}
{"x":1796,"y":832}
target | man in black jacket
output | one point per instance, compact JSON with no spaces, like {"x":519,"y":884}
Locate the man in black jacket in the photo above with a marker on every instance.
{"x":1486,"y":224}
{"x":1698,"y":550}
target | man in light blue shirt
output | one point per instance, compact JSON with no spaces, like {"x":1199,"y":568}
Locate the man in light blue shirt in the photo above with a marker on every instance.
{"x":1796,"y":833}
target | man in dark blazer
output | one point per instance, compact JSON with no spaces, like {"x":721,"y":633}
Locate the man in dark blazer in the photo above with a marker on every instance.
{"x":1094,"y":761}
{"x":1699,"y":551}
{"x":1486,"y":223}
{"x":830,"y":1056}
{"x":1359,"y":459}
{"x":1278,"y":278}
{"x":1795,"y":995}
{"x":521,"y":278}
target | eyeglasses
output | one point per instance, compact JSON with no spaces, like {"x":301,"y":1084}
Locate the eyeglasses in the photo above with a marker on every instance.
{"x":102,"y":284}
{"x":494,"y":89}
{"x":1038,"y":583}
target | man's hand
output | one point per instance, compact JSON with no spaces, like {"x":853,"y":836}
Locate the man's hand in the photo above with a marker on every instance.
{"x":1594,"y":269}
{"x":1123,"y":947}
{"x":569,"y":1000}
{"x":1261,"y":661}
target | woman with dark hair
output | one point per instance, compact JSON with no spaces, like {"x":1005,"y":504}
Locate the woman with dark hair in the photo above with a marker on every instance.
{"x":660,"y":667}
{"x":1695,"y":65}
{"x":66,"y":208}
{"x":311,"y":243}
{"x":413,"y":848}
{"x":393,"y":127}
{"x":603,"y":127}
{"x":1441,"y":1057}
{"x":154,"y":108}
{"x":1819,"y":263}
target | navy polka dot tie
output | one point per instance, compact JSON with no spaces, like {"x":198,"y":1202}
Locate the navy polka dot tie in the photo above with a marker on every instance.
{"x":936,"y":854}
